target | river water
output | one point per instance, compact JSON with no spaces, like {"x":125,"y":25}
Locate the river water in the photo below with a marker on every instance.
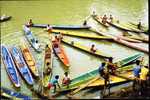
{"x":69,"y":12}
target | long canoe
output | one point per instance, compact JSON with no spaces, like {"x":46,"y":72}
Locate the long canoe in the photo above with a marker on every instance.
{"x":9,"y":94}
{"x":47,"y":65}
{"x":10,"y":66}
{"x":29,"y":59}
{"x":6,"y":18}
{"x":135,"y":25}
{"x":137,"y":46}
{"x":99,"y":20}
{"x":124,"y":27}
{"x":21,"y":65}
{"x":61,"y":26}
{"x":90,"y":75}
{"x":82,"y":35}
{"x":84,"y":48}
{"x":31,"y":39}
{"x":61,"y":54}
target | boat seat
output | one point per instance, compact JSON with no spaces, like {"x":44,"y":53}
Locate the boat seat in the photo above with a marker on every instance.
{"x":31,"y":63}
{"x":24,"y":71}
{"x":28,"y":57}
{"x":48,"y":56}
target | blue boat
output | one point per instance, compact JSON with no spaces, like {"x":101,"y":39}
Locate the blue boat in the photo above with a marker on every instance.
{"x":21,"y":65}
{"x":9,"y":94}
{"x":31,"y":39}
{"x":10,"y":66}
{"x":62,"y":26}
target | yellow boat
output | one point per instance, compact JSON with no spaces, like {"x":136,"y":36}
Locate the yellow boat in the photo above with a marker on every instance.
{"x":82,"y":35}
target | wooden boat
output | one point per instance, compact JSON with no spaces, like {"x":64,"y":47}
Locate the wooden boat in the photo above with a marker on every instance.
{"x":81,"y":35}
{"x":99,"y":20}
{"x":135,"y":25}
{"x":92,"y":74}
{"x":9,"y":94}
{"x":137,"y":46}
{"x":31,"y":39}
{"x":60,"y":53}
{"x":47,"y":65}
{"x":10,"y":66}
{"x":84,"y":48}
{"x":29,"y":59}
{"x":21,"y":65}
{"x":61,"y":26}
{"x":124,"y":27}
{"x":4,"y":18}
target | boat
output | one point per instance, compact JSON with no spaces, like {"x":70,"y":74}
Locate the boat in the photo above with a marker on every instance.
{"x":31,"y":39}
{"x":62,"y":26}
{"x":135,"y":25}
{"x":21,"y":65}
{"x":81,"y":35}
{"x":9,"y":94}
{"x":84,"y":48}
{"x":137,"y":46}
{"x":29,"y":59}
{"x":76,"y":82}
{"x":61,"y":54}
{"x":48,"y":61}
{"x":124,"y":27}
{"x":10,"y":66}
{"x":4,"y":18}
{"x":99,"y":20}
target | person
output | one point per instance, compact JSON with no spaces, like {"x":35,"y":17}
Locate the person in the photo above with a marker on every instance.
{"x":101,"y":69}
{"x":30,"y":23}
{"x":143,"y":77}
{"x":53,"y":83}
{"x":27,"y":30}
{"x":49,"y":28}
{"x":56,"y":45}
{"x":136,"y":73}
{"x":104,"y":19}
{"x":66,"y":79}
{"x":37,"y":44}
{"x":85,"y":23}
{"x":111,"y":18}
{"x":94,"y":14}
{"x":111,"y":66}
{"x":139,"y":26}
{"x":92,"y":48}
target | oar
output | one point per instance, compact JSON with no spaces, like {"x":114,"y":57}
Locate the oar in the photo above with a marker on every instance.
{"x":84,"y":85}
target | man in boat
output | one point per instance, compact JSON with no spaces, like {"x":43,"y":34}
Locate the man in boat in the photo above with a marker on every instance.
{"x":27,"y":29}
{"x":101,"y":69}
{"x":53,"y":83}
{"x":66,"y":80}
{"x":94,"y":14}
{"x":56,"y":44}
{"x":136,"y":73}
{"x":139,"y":26}
{"x":37,"y":45}
{"x":104,"y":19}
{"x":93,"y":48}
{"x":85,"y":23}
{"x":111,"y":66}
{"x":49,"y":28}
{"x":30,"y":23}
{"x":111,"y":18}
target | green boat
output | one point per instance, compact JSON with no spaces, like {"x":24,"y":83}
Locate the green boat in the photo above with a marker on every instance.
{"x":82,"y":35}
{"x":84,"y":48}
{"x":90,"y":75}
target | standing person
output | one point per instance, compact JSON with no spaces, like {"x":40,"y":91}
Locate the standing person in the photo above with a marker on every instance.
{"x":111,"y":66}
{"x":53,"y":83}
{"x":66,"y":79}
{"x":136,"y":73}
{"x":111,"y":18}
{"x":85,"y":23}
{"x":139,"y":26}
{"x":101,"y":69}
{"x":93,"y":48}
{"x":49,"y":28}
{"x":104,"y":19}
